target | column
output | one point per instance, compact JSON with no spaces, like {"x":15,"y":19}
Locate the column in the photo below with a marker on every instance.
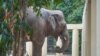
{"x":44,"y":48}
{"x":29,"y":48}
{"x":86,"y":31}
{"x":93,"y":27}
{"x":75,"y":43}
{"x":97,"y":27}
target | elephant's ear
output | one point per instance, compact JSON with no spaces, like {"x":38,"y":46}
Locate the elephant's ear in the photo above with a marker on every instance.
{"x":52,"y":21}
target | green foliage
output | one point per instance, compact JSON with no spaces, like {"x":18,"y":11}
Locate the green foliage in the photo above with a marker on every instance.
{"x":72,"y":9}
{"x":5,"y":33}
{"x":5,"y":39}
{"x":43,"y":3}
{"x":27,"y":28}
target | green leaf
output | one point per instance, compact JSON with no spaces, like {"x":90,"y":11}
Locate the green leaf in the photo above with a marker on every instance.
{"x":58,"y":1}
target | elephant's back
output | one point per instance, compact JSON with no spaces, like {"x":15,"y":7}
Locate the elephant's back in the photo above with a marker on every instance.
{"x":33,"y":20}
{"x":31,"y":17}
{"x":46,"y":12}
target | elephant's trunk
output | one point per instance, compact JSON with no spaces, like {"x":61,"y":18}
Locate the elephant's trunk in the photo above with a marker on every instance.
{"x":65,"y":41}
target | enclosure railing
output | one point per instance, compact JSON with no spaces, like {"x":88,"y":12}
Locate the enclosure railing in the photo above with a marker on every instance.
{"x":75,"y":41}
{"x":75,"y":38}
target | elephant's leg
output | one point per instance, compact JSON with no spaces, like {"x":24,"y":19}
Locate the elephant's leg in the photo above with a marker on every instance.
{"x":37,"y":50}
{"x":37,"y":47}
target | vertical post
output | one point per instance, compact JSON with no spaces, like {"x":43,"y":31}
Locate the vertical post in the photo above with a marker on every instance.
{"x":44,"y":48}
{"x":97,"y":28}
{"x":23,"y":5}
{"x":59,"y":43}
{"x":75,"y":41}
{"x":83,"y":30}
{"x":93,"y":27}
{"x":29,"y":48}
{"x":86,"y":31}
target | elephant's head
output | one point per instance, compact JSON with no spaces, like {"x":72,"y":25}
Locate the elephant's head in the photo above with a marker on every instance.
{"x":59,"y":25}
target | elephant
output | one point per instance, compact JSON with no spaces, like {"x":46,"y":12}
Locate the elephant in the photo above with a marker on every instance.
{"x":50,"y":23}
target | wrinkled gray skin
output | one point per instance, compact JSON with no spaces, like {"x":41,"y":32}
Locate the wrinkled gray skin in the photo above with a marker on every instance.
{"x":51,"y":23}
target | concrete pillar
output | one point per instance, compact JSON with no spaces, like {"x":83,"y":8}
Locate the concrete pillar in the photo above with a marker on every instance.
{"x":75,"y":43}
{"x":86,"y":31}
{"x":93,"y":27}
{"x":59,"y":43}
{"x":29,"y":48}
{"x":44,"y":48}
{"x":97,"y":27}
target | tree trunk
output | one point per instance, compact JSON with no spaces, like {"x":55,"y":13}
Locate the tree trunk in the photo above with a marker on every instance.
{"x":22,"y":35}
